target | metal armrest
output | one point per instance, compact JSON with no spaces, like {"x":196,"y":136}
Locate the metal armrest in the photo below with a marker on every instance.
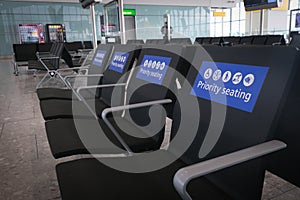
{"x":41,"y":54}
{"x":80,"y":97}
{"x":127,"y":107}
{"x":48,"y":58}
{"x":133,"y":106}
{"x":72,"y":68}
{"x":186,"y":174}
{"x":85,"y":50}
{"x":99,"y":86}
{"x":81,"y":76}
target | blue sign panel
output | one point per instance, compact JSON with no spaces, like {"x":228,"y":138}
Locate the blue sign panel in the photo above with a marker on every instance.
{"x":119,"y":61}
{"x":98,"y":59}
{"x":153,"y":69}
{"x":234,"y":85}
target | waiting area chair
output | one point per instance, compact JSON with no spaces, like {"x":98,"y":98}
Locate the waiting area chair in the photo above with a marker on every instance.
{"x":223,"y":157}
{"x":95,"y":69}
{"x":63,"y":108}
{"x":142,"y":91}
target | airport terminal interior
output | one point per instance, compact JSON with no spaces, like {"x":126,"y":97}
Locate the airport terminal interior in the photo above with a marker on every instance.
{"x":127,"y":99}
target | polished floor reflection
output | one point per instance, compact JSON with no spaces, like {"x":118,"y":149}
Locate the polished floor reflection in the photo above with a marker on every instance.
{"x":27,"y":168}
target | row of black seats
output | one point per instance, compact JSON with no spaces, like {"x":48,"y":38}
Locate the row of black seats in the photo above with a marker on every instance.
{"x":183,"y":41}
{"x":221,"y":41}
{"x":23,"y":53}
{"x":50,"y":60}
{"x":245,"y":40}
{"x":224,"y":110}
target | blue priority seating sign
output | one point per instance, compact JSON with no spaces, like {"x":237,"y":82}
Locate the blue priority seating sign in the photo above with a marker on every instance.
{"x":153,"y":69}
{"x":119,"y":61}
{"x":100,"y":54}
{"x":235,"y":85}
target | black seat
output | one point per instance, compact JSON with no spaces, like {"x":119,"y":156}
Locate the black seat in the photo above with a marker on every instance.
{"x":259,"y":39}
{"x":203,"y":40}
{"x":102,"y":54}
{"x":246,"y":40}
{"x":231,"y":40}
{"x":22,"y":54}
{"x":44,"y":47}
{"x":48,"y":62}
{"x":62,"y":108}
{"x":155,"y":41}
{"x":216,"y":40}
{"x":198,"y":40}
{"x":73,"y":47}
{"x":140,"y":89}
{"x":206,"y":41}
{"x":275,"y":40}
{"x":183,"y":41}
{"x":295,"y":41}
{"x":135,"y":42}
{"x":88,"y":44}
{"x":50,"y":53}
{"x":239,"y":173}
{"x":286,"y":163}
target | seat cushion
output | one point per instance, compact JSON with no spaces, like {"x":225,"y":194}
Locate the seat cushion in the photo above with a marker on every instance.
{"x":64,"y":139}
{"x":54,"y":93}
{"x":62,"y":93}
{"x":35,"y":64}
{"x":90,"y":179}
{"x":60,"y":108}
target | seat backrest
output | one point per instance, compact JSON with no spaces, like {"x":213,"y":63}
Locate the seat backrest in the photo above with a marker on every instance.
{"x":184,"y":41}
{"x":73,"y":46}
{"x":44,"y":47}
{"x":198,"y":40}
{"x":155,"y":41}
{"x":101,"y":58}
{"x":240,"y":92}
{"x":66,"y":56}
{"x":275,"y":39}
{"x":24,"y":52}
{"x":122,"y":59}
{"x":286,"y":163}
{"x":154,"y":78}
{"x":246,"y":40}
{"x":135,"y":42}
{"x":58,"y":53}
{"x":295,"y":41}
{"x":216,"y":40}
{"x":88,"y":44}
{"x":232,"y":40}
{"x":259,"y":39}
{"x":206,"y":40}
{"x":54,"y":48}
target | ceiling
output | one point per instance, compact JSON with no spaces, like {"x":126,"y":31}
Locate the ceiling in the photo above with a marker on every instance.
{"x":210,"y":3}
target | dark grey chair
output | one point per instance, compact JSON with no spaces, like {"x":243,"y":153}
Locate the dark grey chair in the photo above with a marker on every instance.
{"x":231,"y":167}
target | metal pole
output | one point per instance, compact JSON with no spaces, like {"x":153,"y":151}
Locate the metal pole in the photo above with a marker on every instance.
{"x":251,"y":21}
{"x":262,"y":22}
{"x":290,"y":28}
{"x":122,"y":22}
{"x":168,"y":27}
{"x":92,"y":9}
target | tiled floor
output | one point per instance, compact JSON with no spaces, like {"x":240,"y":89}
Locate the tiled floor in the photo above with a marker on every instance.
{"x":27,"y":169}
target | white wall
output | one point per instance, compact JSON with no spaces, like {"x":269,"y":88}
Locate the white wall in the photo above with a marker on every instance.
{"x":275,"y":22}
